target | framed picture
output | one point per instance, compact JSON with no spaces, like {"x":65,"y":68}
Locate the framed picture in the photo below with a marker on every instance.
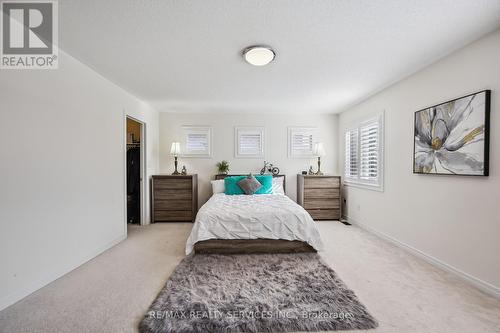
{"x":452,"y":138}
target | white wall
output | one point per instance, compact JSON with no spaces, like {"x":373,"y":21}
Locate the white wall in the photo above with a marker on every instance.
{"x":451,"y":218}
{"x":62,"y":164}
{"x":223,"y":145}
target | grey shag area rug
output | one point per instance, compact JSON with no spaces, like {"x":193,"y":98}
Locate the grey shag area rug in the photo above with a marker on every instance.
{"x":255,"y":293}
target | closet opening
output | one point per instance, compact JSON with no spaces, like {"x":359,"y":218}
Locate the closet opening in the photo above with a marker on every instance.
{"x":134,"y":171}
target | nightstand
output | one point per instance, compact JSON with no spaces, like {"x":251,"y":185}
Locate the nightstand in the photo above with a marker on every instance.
{"x":320,"y":196}
{"x":174,"y":198}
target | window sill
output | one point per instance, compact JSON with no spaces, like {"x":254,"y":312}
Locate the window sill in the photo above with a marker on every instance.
{"x":367,"y":186}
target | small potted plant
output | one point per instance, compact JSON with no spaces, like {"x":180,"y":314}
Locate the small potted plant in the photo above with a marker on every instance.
{"x":223,"y":167}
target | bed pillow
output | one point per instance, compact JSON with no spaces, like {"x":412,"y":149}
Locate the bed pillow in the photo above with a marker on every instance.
{"x":249,"y":185}
{"x":278,"y":185}
{"x":267,"y":184}
{"x":218,"y":186}
{"x":231,"y":185}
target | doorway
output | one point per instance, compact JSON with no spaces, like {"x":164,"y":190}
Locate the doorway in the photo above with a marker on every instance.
{"x":134,"y":170}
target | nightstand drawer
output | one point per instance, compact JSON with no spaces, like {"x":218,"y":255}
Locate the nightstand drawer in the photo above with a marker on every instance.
{"x":172,"y":184}
{"x":321,"y":203}
{"x":322,"y":193}
{"x":168,"y":194}
{"x":321,"y":182}
{"x":173,"y":204}
{"x":324,"y":214}
{"x":173,"y":215}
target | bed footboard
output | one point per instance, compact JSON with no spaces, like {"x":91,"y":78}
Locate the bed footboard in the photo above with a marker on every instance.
{"x":251,"y":246}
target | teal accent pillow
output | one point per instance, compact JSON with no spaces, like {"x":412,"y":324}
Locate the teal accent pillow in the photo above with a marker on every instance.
{"x":232,"y":187}
{"x":231,"y":184}
{"x":267,"y":184}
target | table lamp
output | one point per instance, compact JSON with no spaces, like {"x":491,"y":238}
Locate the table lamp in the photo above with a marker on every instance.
{"x":319,"y":151}
{"x":175,"y":150}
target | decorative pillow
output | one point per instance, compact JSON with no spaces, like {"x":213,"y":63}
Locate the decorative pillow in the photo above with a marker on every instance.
{"x":267,"y":184}
{"x":249,"y":185}
{"x":278,"y":185}
{"x":218,"y":186}
{"x":231,"y":185}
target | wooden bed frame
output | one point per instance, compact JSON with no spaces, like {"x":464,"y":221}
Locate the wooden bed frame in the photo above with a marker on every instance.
{"x":249,"y":246}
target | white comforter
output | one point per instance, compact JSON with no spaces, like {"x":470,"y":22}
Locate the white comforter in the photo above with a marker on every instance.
{"x":270,"y":216}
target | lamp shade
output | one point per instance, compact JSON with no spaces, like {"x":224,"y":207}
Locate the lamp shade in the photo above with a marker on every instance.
{"x":319,"y":149}
{"x":175,"y":149}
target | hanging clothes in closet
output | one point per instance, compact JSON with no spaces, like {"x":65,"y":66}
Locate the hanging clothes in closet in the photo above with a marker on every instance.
{"x":133,"y":184}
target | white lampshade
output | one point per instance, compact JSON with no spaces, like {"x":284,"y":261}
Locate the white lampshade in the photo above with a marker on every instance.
{"x":319,"y":150}
{"x":175,"y":149}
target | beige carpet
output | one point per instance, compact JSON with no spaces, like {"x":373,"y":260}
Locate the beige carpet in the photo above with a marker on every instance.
{"x":111,"y":292}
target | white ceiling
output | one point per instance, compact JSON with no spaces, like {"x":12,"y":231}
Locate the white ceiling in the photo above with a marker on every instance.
{"x":185,"y":56}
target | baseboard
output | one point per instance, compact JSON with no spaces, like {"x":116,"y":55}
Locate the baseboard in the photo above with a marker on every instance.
{"x":40,"y":283}
{"x":476,"y":282}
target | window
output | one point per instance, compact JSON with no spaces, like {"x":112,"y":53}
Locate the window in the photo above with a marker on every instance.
{"x":351,"y":153}
{"x":249,"y":142}
{"x":197,"y":141}
{"x":364,"y":154}
{"x":301,"y":142}
{"x":368,"y":151}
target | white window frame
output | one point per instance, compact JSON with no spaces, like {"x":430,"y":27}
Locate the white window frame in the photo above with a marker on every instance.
{"x":238,"y":131}
{"x":377,"y":185}
{"x":306,"y":131}
{"x":197,"y":129}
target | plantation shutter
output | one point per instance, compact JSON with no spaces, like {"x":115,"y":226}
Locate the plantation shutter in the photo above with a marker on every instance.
{"x":301,"y":141}
{"x":369,"y":151}
{"x":302,"y":144}
{"x":351,"y":154}
{"x":364,"y":154}
{"x":197,"y":141}
{"x":249,"y":142}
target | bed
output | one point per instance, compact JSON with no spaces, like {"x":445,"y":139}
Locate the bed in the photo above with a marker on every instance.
{"x":264,"y":223}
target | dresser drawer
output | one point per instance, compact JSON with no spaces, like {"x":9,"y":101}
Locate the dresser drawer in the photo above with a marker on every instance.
{"x":321,"y":193}
{"x":172,"y":184}
{"x":168,"y":194}
{"x":321,"y":182}
{"x":173,"y":215}
{"x":321,"y":203}
{"x":173,"y":204}
{"x":324,"y":214}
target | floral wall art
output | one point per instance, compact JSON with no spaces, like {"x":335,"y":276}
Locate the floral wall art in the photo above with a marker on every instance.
{"x":452,"y":138}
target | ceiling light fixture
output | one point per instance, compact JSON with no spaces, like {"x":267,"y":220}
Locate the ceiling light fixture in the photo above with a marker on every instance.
{"x":258,"y":55}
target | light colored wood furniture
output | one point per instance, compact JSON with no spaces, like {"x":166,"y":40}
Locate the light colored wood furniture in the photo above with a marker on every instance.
{"x":320,"y":196}
{"x":174,"y":198}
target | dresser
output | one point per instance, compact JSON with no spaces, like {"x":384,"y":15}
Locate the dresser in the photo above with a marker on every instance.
{"x":174,"y":198}
{"x":320,"y":196}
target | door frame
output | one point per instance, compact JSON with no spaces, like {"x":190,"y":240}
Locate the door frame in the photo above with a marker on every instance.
{"x":143,"y":168}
